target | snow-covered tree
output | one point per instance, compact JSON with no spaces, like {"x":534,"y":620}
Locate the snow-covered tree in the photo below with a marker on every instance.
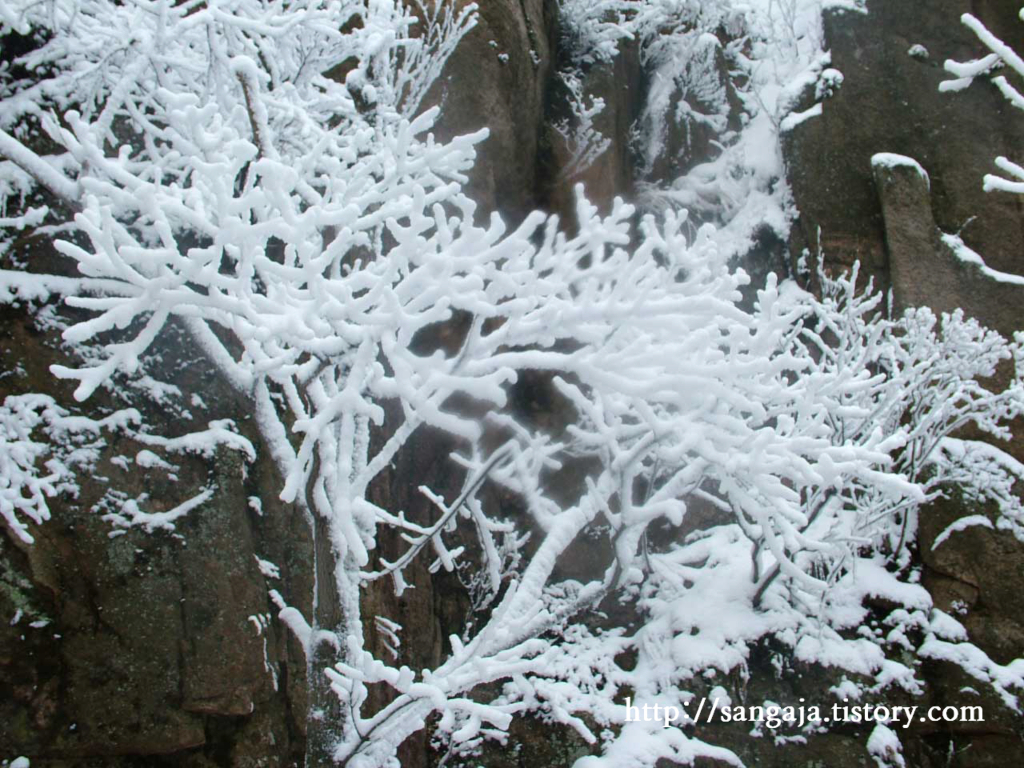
{"x":264,"y":173}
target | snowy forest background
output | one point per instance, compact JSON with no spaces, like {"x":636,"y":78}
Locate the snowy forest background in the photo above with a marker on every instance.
{"x":409,"y":383}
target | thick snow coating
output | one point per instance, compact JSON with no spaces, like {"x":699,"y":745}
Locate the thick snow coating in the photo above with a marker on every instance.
{"x":755,"y":469}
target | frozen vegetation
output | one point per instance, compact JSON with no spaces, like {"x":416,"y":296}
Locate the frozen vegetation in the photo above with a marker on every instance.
{"x":196,"y":164}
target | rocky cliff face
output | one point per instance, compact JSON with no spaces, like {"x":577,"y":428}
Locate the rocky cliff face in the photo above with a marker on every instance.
{"x":131,"y":649}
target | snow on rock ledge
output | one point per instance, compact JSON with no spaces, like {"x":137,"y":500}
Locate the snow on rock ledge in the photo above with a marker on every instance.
{"x":892,"y":161}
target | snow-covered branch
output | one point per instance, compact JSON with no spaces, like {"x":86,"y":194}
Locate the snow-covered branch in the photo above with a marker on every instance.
{"x":265,"y":172}
{"x":1001,"y":56}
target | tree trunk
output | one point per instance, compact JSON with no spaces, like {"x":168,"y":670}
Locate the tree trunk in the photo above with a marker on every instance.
{"x":324,"y":717}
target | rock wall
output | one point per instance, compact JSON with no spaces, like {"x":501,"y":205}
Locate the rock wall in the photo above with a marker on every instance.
{"x":890,"y":102}
{"x":158,"y":650}
{"x":892,"y":219}
{"x":132,"y":648}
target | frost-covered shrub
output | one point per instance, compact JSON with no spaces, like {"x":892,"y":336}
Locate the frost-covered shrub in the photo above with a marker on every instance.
{"x":309,"y":230}
{"x":42,"y":447}
{"x":730,"y":73}
{"x":593,"y":30}
{"x":583,"y":141}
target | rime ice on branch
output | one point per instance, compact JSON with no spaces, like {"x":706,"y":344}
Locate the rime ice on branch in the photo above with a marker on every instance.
{"x":306,"y":229}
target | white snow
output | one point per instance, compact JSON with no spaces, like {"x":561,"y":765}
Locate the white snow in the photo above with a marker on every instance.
{"x":809,"y":424}
{"x":962,"y":524}
{"x":891,"y":160}
{"x":793,"y":119}
{"x":130,"y":514}
{"x":968,"y":256}
{"x":149,"y":460}
{"x":268,"y":569}
{"x":885,"y":748}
